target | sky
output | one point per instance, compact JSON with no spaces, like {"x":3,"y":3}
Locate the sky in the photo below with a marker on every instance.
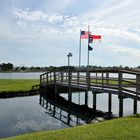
{"x":43,"y":32}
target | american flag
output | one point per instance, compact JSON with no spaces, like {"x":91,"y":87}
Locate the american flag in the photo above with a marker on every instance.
{"x":84,"y":35}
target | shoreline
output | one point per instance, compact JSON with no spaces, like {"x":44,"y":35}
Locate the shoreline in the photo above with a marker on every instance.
{"x":120,"y":128}
{"x":18,"y":87}
{"x":21,"y":93}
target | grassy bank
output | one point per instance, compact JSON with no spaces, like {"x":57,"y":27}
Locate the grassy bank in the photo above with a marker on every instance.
{"x":7,"y":85}
{"x":117,"y":129}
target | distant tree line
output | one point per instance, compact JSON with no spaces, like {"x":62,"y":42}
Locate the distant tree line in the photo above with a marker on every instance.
{"x":6,"y":66}
{"x":11,"y":67}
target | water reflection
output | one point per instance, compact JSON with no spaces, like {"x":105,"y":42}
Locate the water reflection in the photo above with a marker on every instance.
{"x":24,"y":115}
{"x":71,"y":113}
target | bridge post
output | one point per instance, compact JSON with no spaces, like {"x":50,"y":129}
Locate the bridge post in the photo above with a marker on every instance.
{"x":107,"y":78}
{"x":56,"y":93}
{"x":88,"y":79}
{"x":50,"y":75}
{"x":135,"y":107}
{"x":70,"y":93}
{"x":96,"y":77}
{"x":109,"y":103}
{"x":120,"y":106}
{"x":120,"y":94}
{"x":78,"y":77}
{"x":86,"y":98}
{"x":94,"y":102}
{"x":70,"y":76}
{"x":62,"y":74}
{"x":54,"y":75}
{"x":47,"y":78}
{"x":137,"y":91}
{"x":102,"y":74}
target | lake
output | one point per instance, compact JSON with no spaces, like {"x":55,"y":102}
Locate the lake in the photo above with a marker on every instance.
{"x":18,"y":75}
{"x":24,"y":114}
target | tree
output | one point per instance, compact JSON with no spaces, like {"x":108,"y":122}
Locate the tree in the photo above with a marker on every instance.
{"x":23,"y":68}
{"x":6,"y":67}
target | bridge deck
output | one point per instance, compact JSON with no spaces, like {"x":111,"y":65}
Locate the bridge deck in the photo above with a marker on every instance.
{"x":122,"y":83}
{"x":125,"y":84}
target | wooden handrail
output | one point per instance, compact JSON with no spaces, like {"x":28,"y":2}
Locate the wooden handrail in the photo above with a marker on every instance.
{"x":103,"y":79}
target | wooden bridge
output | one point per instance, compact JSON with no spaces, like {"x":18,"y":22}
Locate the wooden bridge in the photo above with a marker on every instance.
{"x":125,"y":84}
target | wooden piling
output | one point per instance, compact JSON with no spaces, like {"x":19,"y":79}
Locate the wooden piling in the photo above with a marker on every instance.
{"x":86,"y":98}
{"x":70,"y":92}
{"x":56,"y":93}
{"x":70,"y":95}
{"x":135,"y":107}
{"x":120,"y":76}
{"x":110,"y":103}
{"x":120,"y":106}
{"x":94,"y":102}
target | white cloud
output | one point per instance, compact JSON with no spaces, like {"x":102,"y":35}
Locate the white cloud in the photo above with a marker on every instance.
{"x":35,"y":16}
{"x":121,"y":33}
{"x":55,"y":24}
{"x":131,"y":53}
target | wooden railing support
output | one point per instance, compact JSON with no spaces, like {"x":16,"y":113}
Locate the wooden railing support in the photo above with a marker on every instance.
{"x":54,"y":77}
{"x":107,"y":78}
{"x":88,"y":79}
{"x":78,"y":77}
{"x":47,"y":78}
{"x":102,"y":75}
{"x":137,"y":91}
{"x":120,"y":94}
{"x":62,"y":75}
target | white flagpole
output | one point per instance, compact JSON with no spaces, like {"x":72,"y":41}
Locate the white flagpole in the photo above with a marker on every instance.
{"x":79,"y":68}
{"x":80,"y":50}
{"x":88,"y":47}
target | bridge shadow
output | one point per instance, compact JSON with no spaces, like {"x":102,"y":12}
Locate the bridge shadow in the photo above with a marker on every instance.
{"x":69,"y":112}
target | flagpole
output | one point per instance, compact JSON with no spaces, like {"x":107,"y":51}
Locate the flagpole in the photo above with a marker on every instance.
{"x":80,"y":50}
{"x":79,"y":68}
{"x":88,"y":47}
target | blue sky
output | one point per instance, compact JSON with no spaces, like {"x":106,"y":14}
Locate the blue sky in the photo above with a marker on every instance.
{"x":42,"y":33}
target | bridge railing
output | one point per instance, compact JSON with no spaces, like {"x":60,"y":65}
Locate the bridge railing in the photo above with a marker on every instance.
{"x":124,"y":81}
{"x":130,"y":83}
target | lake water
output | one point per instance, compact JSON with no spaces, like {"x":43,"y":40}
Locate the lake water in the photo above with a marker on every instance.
{"x":24,"y":114}
{"x":17,"y":75}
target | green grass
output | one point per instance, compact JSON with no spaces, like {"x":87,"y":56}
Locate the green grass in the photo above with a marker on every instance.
{"x":118,"y":129}
{"x":112,"y":82}
{"x":17,"y":84}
